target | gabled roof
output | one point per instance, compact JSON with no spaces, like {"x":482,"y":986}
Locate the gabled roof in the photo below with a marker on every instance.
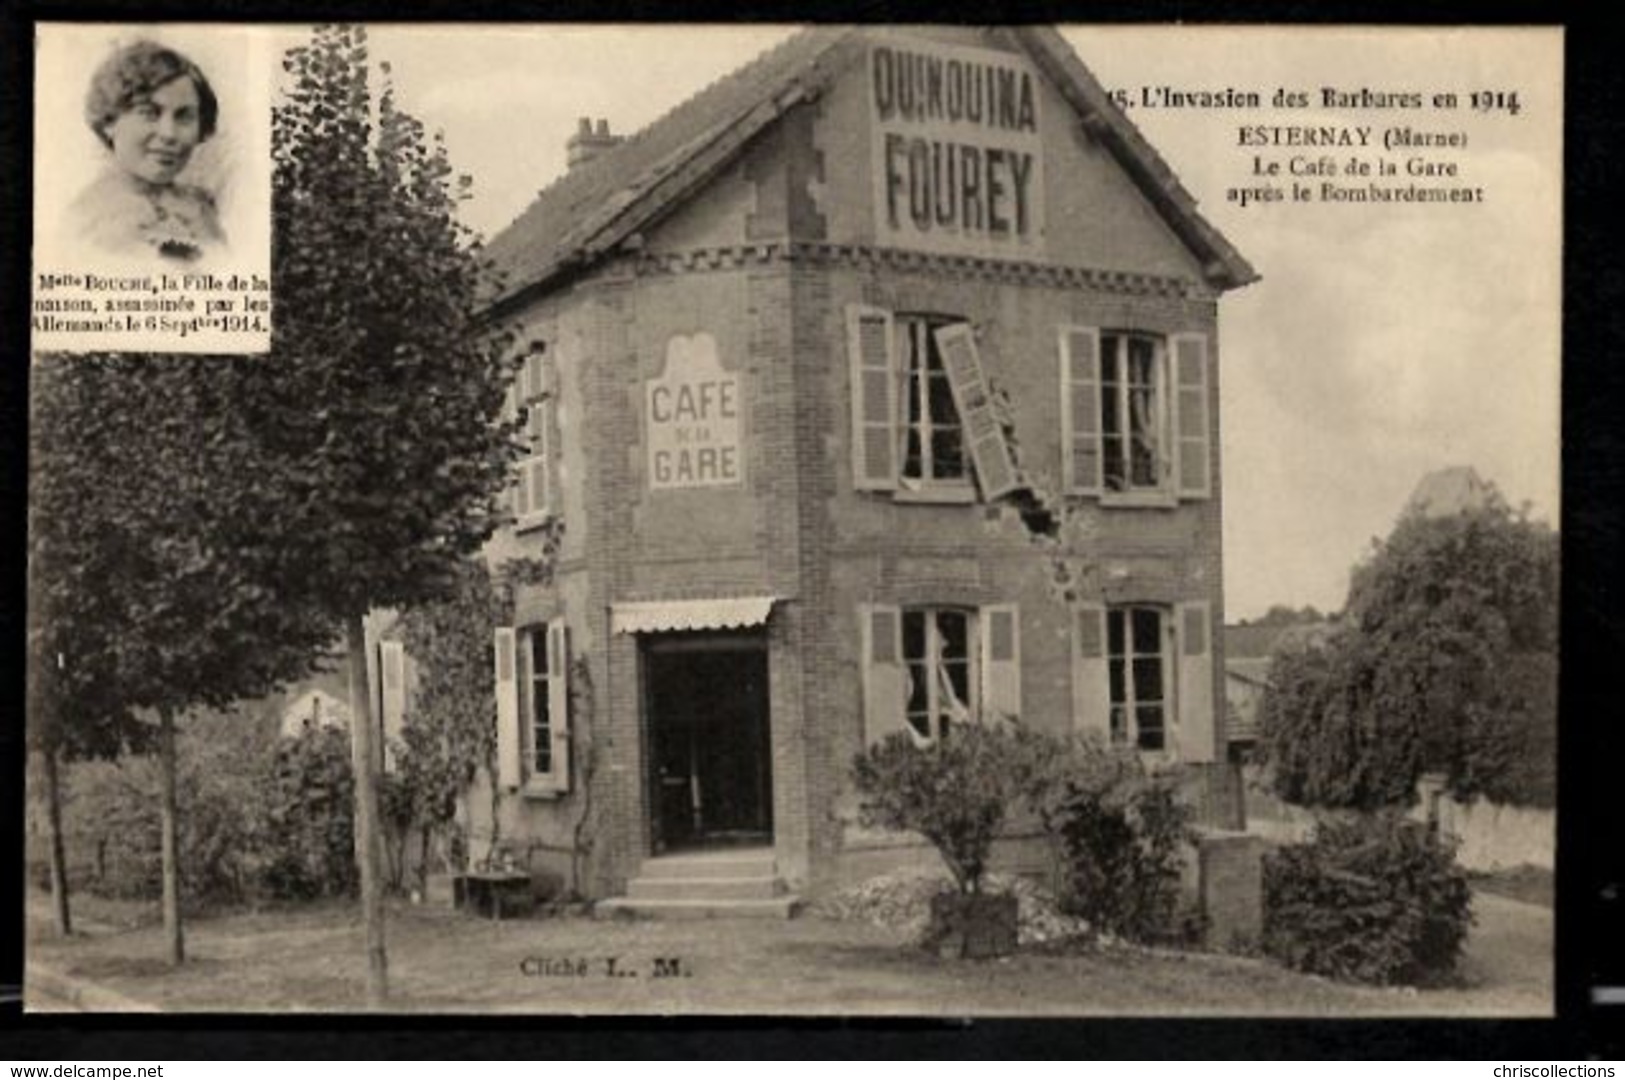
{"x":592,"y":208}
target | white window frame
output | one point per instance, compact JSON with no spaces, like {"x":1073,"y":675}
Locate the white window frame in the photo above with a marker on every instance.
{"x":1115,"y":346}
{"x":916,"y":339}
{"x":535,"y":699}
{"x":937,"y":706}
{"x":1123,"y":727}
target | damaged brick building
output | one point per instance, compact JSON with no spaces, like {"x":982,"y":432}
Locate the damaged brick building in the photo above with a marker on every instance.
{"x":873,"y":389}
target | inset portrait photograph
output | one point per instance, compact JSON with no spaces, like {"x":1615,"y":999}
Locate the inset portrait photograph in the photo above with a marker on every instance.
{"x":152,"y":167}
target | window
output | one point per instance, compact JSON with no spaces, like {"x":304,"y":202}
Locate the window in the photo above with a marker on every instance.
{"x":933,"y":438}
{"x":532,"y":403}
{"x":533,"y":707}
{"x":1143,"y":677}
{"x":937,"y":661}
{"x":1134,"y":414}
{"x":923,"y":418}
{"x":927,"y":668}
{"x":536,"y":717}
{"x":1137,"y":665}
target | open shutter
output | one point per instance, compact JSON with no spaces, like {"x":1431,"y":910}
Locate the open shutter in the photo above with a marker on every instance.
{"x":885,"y":694}
{"x":995,"y":468}
{"x":558,"y":702}
{"x":1001,"y":662}
{"x":538,"y":482}
{"x":1196,"y":736}
{"x":1193,"y":428}
{"x":1091,"y":686}
{"x":869,"y":350}
{"x":1081,"y":456}
{"x":507,"y":691}
{"x":392,"y":662}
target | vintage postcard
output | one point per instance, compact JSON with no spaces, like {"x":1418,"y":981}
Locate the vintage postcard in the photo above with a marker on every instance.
{"x":1054,"y":520}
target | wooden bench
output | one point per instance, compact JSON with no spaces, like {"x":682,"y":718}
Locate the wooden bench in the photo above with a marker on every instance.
{"x":497,"y":893}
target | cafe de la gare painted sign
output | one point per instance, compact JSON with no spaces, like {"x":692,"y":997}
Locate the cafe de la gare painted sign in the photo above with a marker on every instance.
{"x":691,"y":419}
{"x":958,"y":166}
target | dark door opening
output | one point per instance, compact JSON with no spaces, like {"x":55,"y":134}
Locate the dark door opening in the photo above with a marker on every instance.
{"x":707,"y":704}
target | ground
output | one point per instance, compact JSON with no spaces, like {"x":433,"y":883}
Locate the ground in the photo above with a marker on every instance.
{"x":441,"y":961}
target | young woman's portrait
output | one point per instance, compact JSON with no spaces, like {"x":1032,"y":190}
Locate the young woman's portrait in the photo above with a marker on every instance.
{"x":150,"y":108}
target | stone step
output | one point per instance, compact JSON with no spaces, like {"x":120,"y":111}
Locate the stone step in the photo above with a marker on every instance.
{"x":742,"y":863}
{"x":763,"y":887}
{"x":779,"y":907}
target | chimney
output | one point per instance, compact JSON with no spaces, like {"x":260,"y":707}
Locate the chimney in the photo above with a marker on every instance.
{"x":587,"y":143}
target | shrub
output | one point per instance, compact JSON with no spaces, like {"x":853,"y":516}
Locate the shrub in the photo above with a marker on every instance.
{"x":308,"y":842}
{"x":955,"y":792}
{"x":1376,"y":899}
{"x":1119,"y":833}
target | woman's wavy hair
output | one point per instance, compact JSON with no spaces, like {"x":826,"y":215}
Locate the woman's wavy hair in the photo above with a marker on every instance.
{"x":132,"y":74}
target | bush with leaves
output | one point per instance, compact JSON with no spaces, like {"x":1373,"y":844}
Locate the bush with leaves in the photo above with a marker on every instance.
{"x":1377,"y":899}
{"x":955,"y":792}
{"x":1119,"y":833}
{"x":308,"y":843}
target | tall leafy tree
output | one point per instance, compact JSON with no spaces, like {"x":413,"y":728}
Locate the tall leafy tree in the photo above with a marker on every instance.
{"x":153,"y":586}
{"x":378,"y":407}
{"x":1443,"y":662}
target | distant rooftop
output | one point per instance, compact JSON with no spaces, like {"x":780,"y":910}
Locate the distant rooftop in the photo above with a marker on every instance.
{"x":1450,"y":491}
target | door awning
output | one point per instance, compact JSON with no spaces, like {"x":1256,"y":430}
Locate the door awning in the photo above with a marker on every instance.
{"x":661,"y":616}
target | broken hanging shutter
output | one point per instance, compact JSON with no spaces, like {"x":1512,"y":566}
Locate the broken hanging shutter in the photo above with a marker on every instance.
{"x":1001,"y":662}
{"x":1081,"y":457}
{"x":1193,"y":427}
{"x":1196,"y":728}
{"x":507,"y":694}
{"x":558,"y":703}
{"x":885,"y":697}
{"x":995,"y":469}
{"x":1091,"y":688}
{"x":874,"y":398}
{"x":392,"y":697}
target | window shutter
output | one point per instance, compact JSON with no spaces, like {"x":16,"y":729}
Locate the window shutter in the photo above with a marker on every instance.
{"x":507,"y":691}
{"x":1196,"y":728}
{"x":1091,"y":686}
{"x":870,"y":346}
{"x":541,"y":458}
{"x":558,"y":702}
{"x":392,"y":661}
{"x":1193,"y":428}
{"x":995,"y":469}
{"x":885,"y":683}
{"x":1081,"y":455}
{"x":1001,"y":662}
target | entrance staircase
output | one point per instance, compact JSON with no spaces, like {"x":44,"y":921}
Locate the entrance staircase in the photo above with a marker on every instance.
{"x":720,"y":884}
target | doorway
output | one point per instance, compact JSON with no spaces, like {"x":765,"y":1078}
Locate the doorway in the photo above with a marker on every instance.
{"x":706,"y":699}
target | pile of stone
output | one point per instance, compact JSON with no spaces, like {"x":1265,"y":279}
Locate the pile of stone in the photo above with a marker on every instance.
{"x":902,"y":901}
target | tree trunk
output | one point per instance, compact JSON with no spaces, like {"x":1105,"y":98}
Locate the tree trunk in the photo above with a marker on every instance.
{"x":59,"y":853}
{"x":423,"y":862}
{"x":368,"y":849}
{"x":174,"y":936}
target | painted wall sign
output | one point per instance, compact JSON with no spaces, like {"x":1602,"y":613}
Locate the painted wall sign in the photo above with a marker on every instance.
{"x":958,"y":162}
{"x":692,"y":419}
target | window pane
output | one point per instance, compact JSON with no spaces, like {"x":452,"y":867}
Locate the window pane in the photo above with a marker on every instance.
{"x":914,"y":635}
{"x":1119,"y":725}
{"x":919,"y":685}
{"x":1148,"y":679}
{"x":921,"y":723}
{"x":1142,"y":359}
{"x":1149,"y":718}
{"x":537,"y":641}
{"x":1110,"y":415}
{"x":954,"y":626}
{"x":1114,"y":632}
{"x":913,"y":466}
{"x":942,"y":401}
{"x":1147,"y":632}
{"x":947,"y":453}
{"x":959,"y":679}
{"x":1143,"y":468}
{"x":1116,"y":469}
{"x":1109,"y":346}
{"x":1115,"y":670}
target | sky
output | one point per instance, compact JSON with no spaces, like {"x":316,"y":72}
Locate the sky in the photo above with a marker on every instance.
{"x":1381,"y":342}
